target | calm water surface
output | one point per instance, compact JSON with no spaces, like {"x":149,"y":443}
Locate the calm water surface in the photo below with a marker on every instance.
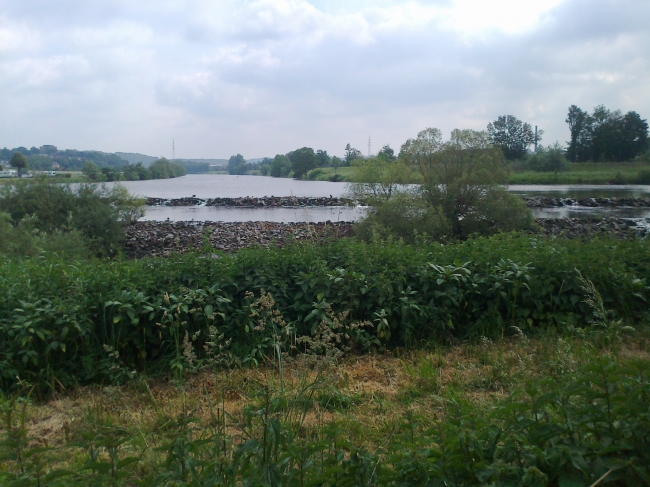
{"x":279,"y":215}
{"x":219,"y":185}
{"x":224,"y":186}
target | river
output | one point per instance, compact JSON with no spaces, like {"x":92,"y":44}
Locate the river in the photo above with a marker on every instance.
{"x":218,"y":185}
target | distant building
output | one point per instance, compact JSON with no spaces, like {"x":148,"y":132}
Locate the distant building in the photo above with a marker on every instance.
{"x":56,"y":165}
{"x":9,"y":173}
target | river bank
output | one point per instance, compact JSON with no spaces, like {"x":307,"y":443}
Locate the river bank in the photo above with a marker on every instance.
{"x":164,"y":238}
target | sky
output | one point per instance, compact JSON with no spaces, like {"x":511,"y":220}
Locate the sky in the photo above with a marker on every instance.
{"x":221,"y":77}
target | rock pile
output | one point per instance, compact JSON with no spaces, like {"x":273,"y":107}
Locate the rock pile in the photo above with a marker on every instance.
{"x":547,"y":202}
{"x":251,"y":202}
{"x":164,"y":238}
{"x":587,"y":228}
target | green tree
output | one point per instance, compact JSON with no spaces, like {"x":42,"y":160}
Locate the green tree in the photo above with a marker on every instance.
{"x":237,"y":165}
{"x":280,"y":166}
{"x":421,"y":149}
{"x":605,"y":135}
{"x":322,"y":158}
{"x":351,"y":154}
{"x":464,"y":190}
{"x":164,"y":169}
{"x":376,"y":179}
{"x":467,"y":180}
{"x":512,"y":136}
{"x":580,"y":127}
{"x":110,"y":174}
{"x":302,"y":161}
{"x":91,"y":171}
{"x":386,"y":154}
{"x":19,"y":161}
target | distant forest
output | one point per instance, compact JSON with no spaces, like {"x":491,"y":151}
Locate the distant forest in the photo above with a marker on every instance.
{"x":48,"y":157}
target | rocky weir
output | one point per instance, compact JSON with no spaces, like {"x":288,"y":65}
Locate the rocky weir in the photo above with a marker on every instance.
{"x":301,"y":202}
{"x":251,"y":202}
{"x":153,"y":238}
{"x":615,"y":202}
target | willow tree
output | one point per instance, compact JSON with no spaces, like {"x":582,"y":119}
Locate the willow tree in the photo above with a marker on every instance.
{"x":464,"y":191}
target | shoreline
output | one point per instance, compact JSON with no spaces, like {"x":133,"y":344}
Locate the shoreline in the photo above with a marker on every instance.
{"x":165,"y":238}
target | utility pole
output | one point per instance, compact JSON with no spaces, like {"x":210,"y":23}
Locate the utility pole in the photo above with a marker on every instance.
{"x":535,"y":138}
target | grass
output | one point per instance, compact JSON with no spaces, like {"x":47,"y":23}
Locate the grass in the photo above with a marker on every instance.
{"x":586,"y":173}
{"x":379,"y":400}
{"x":75,"y":177}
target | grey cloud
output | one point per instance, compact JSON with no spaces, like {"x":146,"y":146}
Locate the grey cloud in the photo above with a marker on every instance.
{"x":261,"y":78}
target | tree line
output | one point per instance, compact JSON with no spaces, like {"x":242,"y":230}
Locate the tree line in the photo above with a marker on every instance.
{"x":160,"y":169}
{"x":602,"y":136}
{"x":47,"y":156}
{"x":300,"y":163}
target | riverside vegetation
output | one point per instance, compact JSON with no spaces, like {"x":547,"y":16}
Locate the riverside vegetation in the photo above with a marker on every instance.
{"x":474,"y":360}
{"x":255,"y":345}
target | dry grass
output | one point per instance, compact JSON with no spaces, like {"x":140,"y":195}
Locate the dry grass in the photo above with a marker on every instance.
{"x":385,"y":388}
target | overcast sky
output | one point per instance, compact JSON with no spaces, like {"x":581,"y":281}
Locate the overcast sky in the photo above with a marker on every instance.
{"x":265,"y":77}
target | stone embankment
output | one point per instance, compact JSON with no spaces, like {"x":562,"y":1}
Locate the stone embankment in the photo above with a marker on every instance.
{"x":165,"y":238}
{"x":251,"y":202}
{"x":547,"y":202}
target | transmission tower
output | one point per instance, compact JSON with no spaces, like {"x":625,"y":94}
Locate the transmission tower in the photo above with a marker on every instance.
{"x":369,"y":146}
{"x":173,"y":150}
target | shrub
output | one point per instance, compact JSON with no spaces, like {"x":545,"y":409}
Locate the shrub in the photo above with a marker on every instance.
{"x":643,"y":177}
{"x":55,"y":318}
{"x":96,"y":212}
{"x":404,"y":216}
{"x":315,"y":174}
{"x":549,"y":159}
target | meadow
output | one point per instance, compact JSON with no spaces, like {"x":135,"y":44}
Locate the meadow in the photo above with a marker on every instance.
{"x":582,"y":173}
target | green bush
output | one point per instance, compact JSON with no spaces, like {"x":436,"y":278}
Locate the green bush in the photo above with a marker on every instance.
{"x":463,"y":192}
{"x":643,"y":177}
{"x":404,"y":216}
{"x":57,"y":317}
{"x":550,"y":159}
{"x":315,"y":174}
{"x":97,"y":213}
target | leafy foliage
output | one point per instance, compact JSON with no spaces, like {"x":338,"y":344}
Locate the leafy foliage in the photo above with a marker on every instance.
{"x":512,"y":136}
{"x":605,"y":135}
{"x":56,"y":316}
{"x":97,"y":213}
{"x":463,"y":190}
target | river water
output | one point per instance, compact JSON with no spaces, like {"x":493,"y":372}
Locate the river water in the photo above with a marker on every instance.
{"x":218,"y":185}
